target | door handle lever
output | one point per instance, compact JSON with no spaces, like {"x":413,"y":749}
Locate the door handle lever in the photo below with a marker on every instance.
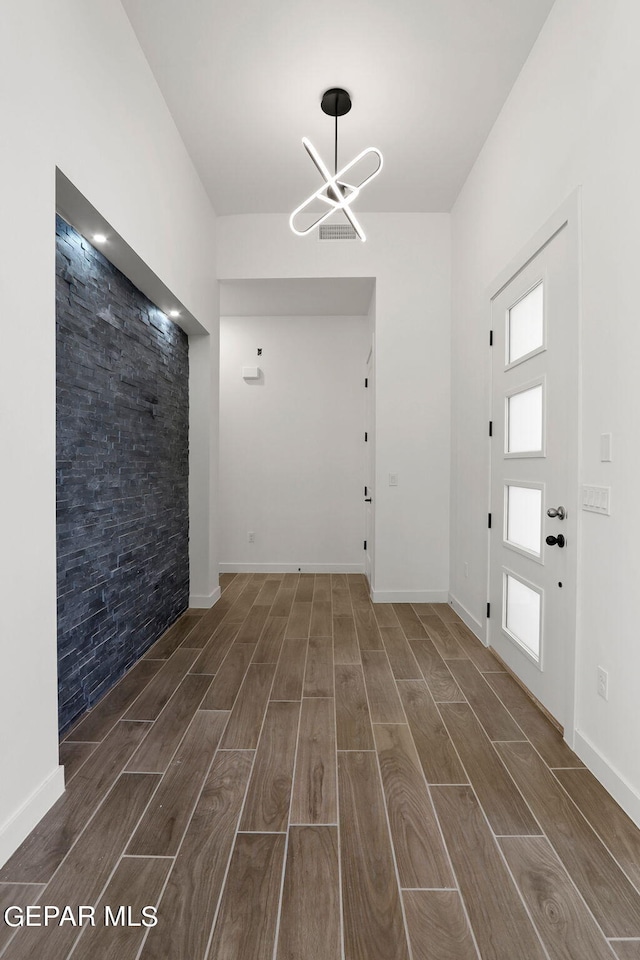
{"x":367,"y":499}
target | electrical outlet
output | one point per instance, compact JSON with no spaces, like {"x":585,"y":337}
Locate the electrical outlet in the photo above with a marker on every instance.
{"x":251,"y":537}
{"x":603,"y":684}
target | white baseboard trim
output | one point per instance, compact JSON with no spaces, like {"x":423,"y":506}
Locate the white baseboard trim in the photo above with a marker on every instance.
{"x":409,"y":596}
{"x":291,"y":568}
{"x":20,"y":825}
{"x":609,"y":777}
{"x":474,"y":625}
{"x":204,"y":602}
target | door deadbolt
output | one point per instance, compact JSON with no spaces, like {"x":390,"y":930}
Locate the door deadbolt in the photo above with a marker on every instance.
{"x":558,"y":512}
{"x":553,"y":541}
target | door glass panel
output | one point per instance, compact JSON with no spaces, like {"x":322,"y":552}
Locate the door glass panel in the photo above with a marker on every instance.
{"x":524,"y":421}
{"x":525,"y":327}
{"x":524,"y":516}
{"x":522,"y":614}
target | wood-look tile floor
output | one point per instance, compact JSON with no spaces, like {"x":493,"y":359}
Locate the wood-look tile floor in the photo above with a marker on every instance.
{"x":298,"y":774}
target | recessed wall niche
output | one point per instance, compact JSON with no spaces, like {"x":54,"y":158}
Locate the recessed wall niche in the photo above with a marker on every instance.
{"x":122,"y":473}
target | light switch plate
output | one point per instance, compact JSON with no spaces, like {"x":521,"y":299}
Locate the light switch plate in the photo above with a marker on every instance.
{"x":596,"y":499}
{"x":606,"y":455}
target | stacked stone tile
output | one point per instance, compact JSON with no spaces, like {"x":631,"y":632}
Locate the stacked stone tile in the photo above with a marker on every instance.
{"x":122,"y":472}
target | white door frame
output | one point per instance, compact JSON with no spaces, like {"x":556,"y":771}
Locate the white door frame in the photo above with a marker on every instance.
{"x":568,"y":216}
{"x":370,"y":469}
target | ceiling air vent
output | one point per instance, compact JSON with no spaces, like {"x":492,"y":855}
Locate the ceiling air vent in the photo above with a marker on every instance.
{"x":336,"y":231}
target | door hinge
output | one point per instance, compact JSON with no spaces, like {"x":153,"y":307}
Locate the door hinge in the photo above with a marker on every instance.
{"x":365,"y":545}
{"x":366,"y":436}
{"x":489,"y":524}
{"x":490,"y":338}
{"x":488,"y":611}
{"x":490,"y":428}
{"x":366,"y":381}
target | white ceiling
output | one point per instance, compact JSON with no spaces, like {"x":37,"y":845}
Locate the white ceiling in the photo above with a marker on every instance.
{"x":326,"y":297}
{"x":243,"y":80}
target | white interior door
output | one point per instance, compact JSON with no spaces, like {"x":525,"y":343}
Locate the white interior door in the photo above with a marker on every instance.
{"x":369,"y":468}
{"x":534,"y":473}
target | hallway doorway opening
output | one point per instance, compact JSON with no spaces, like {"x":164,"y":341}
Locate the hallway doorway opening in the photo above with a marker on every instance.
{"x":296,"y":436}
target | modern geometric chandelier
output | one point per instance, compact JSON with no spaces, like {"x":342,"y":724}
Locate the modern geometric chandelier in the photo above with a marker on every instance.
{"x":336,"y":192}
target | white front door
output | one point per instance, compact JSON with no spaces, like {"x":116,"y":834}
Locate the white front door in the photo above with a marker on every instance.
{"x":533,"y":546}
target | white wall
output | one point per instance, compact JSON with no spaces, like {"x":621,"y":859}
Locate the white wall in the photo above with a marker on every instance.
{"x":291,"y":443}
{"x":77,"y":93}
{"x":409,"y":255}
{"x":571,"y":120}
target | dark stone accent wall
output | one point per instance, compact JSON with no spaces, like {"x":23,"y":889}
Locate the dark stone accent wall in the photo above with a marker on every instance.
{"x":122,"y":473}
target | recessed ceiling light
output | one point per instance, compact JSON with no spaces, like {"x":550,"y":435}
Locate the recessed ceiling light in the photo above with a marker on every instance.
{"x":174,"y":313}
{"x":99,"y":238}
